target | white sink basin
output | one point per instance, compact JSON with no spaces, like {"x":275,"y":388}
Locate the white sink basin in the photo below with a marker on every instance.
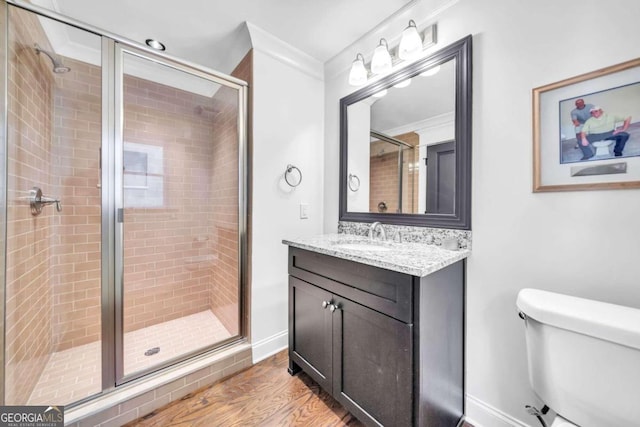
{"x":363,"y":247}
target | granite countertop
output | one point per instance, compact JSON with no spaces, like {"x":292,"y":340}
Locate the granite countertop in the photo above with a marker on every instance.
{"x":416,"y":259}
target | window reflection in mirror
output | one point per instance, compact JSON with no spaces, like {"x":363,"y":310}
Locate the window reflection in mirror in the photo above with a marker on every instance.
{"x":396,"y":146}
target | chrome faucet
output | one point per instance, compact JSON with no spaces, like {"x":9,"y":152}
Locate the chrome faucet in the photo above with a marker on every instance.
{"x":372,"y":230}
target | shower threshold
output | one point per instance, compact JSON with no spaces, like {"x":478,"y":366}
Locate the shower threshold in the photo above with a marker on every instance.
{"x":75,"y":373}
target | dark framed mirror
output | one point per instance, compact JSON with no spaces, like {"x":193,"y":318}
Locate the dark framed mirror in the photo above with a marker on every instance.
{"x":405,"y":144}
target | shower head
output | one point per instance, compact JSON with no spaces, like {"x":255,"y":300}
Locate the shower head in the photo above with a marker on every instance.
{"x":58,"y":67}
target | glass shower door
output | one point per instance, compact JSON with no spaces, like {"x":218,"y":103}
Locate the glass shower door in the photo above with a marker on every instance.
{"x":53,"y":334}
{"x":178,"y":210}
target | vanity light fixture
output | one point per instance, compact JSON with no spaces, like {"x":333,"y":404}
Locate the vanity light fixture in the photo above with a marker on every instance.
{"x":358,"y":73}
{"x":410,"y":43}
{"x":381,"y":61}
{"x":431,"y":71}
{"x":402,"y":84}
{"x":155,"y":44}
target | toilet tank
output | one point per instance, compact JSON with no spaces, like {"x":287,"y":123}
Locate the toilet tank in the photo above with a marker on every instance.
{"x":584,"y":357}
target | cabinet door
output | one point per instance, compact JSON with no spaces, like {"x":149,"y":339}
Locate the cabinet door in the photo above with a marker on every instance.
{"x":372,"y":365}
{"x":310,"y":330}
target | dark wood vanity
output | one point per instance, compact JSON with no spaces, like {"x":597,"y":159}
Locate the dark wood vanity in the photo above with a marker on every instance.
{"x":388,"y":346}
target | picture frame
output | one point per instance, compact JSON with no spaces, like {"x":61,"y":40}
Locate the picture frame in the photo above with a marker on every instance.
{"x":561,"y":159}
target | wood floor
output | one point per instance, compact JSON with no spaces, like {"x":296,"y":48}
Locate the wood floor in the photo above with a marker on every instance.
{"x":263,"y":395}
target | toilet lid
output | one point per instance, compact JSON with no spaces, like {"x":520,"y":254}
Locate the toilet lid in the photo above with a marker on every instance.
{"x":611,"y":322}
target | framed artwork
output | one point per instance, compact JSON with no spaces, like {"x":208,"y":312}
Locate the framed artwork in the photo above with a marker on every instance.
{"x":586,"y":131}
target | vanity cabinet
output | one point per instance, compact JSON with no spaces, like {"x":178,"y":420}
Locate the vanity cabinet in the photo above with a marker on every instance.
{"x":388,"y":346}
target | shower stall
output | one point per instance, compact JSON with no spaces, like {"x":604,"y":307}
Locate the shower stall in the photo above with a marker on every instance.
{"x":123,"y":209}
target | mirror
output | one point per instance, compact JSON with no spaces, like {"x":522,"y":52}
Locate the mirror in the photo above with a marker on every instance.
{"x":405,"y":144}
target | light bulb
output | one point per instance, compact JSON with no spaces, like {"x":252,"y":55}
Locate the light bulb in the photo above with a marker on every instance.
{"x":431,"y":71}
{"x":358,"y":73}
{"x":410,"y":43}
{"x":402,"y":84}
{"x":381,"y":61}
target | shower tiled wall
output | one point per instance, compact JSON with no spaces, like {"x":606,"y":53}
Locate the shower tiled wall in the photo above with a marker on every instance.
{"x":163,"y":276}
{"x":75,"y":260}
{"x":29,"y":239}
{"x":225,"y":297}
{"x":170,"y":250}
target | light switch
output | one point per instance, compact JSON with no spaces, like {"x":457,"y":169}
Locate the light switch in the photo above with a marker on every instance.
{"x":304,"y":210}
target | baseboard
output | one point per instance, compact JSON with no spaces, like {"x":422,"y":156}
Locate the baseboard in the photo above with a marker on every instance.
{"x":481,"y":414}
{"x":270,"y":346}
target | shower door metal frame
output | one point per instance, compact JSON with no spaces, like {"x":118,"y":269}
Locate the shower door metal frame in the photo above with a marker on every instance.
{"x":111,"y":242}
{"x":4,"y":47}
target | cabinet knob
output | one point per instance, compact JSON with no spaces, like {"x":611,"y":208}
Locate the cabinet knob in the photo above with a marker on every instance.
{"x":333,"y":307}
{"x":325,"y":304}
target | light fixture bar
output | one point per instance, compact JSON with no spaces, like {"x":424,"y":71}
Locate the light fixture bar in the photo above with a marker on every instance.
{"x":359,"y":74}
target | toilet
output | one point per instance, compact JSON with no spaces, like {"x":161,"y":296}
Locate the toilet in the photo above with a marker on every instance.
{"x":602,"y":148}
{"x":583,"y":358}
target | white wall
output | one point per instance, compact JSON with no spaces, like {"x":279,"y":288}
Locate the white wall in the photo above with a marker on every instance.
{"x":288,"y":120}
{"x":550,"y":241}
{"x":358,"y":155}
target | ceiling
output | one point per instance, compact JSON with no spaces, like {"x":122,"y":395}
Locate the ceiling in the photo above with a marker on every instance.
{"x":404,"y":109}
{"x":197,"y":30}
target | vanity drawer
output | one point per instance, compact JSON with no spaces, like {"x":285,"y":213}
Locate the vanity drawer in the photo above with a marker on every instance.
{"x":386,"y":291}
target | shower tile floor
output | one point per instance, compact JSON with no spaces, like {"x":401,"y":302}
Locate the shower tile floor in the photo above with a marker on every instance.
{"x":75,"y":373}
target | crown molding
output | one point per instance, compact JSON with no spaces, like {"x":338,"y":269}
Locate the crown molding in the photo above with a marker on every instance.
{"x":446,"y":119}
{"x":267,"y":43}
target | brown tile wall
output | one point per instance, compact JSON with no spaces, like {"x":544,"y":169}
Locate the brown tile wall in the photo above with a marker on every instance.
{"x":76,"y":257}
{"x":383,"y":175}
{"x":167,"y":273}
{"x":225,"y":295}
{"x":29,"y":239}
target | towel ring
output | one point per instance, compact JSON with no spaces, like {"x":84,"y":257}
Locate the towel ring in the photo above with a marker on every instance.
{"x":290,"y":168}
{"x":353,"y":183}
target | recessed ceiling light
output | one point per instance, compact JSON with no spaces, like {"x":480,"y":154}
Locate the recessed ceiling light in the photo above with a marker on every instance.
{"x":155,"y":44}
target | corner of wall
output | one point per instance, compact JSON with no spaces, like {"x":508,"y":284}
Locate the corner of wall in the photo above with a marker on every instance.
{"x":284,"y":52}
{"x":270,"y":346}
{"x":238,"y":45}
